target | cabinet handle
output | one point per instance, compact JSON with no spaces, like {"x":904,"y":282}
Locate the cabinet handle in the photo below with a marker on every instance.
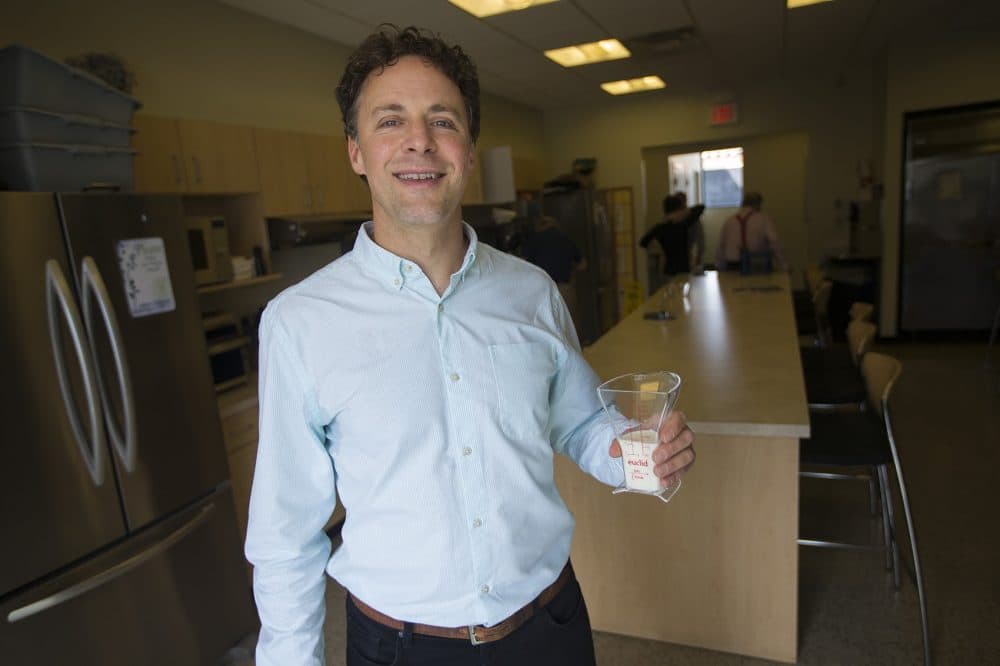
{"x":197,"y":170}
{"x":178,"y":176}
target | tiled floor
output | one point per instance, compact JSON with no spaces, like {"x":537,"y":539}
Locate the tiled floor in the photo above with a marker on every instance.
{"x":946,"y":410}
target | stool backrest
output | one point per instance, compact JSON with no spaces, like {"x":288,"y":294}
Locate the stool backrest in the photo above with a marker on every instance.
{"x":821,"y":300}
{"x":880,"y":372}
{"x":859,"y":339}
{"x":861,"y":311}
{"x":814,"y":276}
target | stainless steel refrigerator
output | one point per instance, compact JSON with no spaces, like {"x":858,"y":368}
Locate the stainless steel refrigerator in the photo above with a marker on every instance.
{"x":120,"y":543}
{"x":950,"y":245}
{"x":586,"y":222}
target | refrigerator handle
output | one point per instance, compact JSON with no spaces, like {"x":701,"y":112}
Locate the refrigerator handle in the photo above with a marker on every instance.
{"x":111,"y":573}
{"x":92,"y":283}
{"x":58,"y":290}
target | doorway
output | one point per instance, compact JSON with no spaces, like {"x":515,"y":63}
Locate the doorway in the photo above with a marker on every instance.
{"x":773,"y":164}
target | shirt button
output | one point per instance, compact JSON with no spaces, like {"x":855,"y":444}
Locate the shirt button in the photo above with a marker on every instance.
{"x":408,"y":268}
{"x":396,"y":282}
{"x":467,"y":451}
{"x":440,"y":307}
{"x":477,"y":523}
{"x":454,"y":377}
{"x":485,"y":589}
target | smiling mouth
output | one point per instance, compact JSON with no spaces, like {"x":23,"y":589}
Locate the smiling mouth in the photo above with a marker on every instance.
{"x":419,"y":176}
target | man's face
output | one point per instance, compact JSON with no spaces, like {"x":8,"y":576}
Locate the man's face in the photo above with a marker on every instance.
{"x":413,"y":144}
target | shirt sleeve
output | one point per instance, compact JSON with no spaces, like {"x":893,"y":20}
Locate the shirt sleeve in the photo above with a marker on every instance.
{"x":292,"y":497}
{"x":579,"y":428}
{"x":648,"y":236}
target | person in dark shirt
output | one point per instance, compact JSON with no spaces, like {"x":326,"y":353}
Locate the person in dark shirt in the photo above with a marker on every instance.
{"x":676,"y":234}
{"x":552,"y":250}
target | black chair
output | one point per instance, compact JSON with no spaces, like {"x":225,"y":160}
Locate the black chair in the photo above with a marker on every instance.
{"x":865,"y":440}
{"x":833,"y":374}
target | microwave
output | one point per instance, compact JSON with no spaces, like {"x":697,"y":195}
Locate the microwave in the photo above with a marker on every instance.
{"x":208,"y":239}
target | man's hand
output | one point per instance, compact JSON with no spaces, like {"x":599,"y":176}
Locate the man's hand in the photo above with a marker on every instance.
{"x":674,"y":455}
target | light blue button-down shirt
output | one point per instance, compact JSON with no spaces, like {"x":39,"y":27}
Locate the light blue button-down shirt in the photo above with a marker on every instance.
{"x":435,"y":419}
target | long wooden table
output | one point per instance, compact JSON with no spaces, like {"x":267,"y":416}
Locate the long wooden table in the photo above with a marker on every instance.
{"x":717,"y":567}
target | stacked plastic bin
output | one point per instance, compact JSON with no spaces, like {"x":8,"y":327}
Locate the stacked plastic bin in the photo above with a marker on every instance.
{"x":61,"y":129}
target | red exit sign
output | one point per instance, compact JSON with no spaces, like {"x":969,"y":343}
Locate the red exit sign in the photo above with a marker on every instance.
{"x":725,"y":114}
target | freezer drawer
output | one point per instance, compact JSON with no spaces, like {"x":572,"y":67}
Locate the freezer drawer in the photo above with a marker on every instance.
{"x":174,"y":594}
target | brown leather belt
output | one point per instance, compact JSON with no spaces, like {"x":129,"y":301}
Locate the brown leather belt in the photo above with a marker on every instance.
{"x":478,"y":634}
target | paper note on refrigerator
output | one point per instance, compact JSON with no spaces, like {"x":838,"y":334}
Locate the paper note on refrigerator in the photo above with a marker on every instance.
{"x":146,"y":277}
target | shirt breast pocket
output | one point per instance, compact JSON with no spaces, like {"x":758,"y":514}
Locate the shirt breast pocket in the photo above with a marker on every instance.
{"x":523,"y":373}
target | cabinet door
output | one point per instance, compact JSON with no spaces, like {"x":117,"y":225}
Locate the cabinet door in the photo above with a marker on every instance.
{"x":284,"y":178}
{"x":158,"y":164}
{"x":324,"y":155}
{"x":354,"y":196}
{"x":218,"y":158}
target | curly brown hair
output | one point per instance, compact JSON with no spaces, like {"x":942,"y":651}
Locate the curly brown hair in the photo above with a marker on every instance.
{"x":385,"y":47}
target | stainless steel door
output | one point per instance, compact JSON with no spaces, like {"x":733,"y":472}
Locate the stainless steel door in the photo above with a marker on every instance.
{"x":58,"y":500}
{"x":162,"y":417}
{"x":176,"y":593}
{"x":951,"y":243}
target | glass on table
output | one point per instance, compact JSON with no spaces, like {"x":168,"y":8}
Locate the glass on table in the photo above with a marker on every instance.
{"x":636,"y":405}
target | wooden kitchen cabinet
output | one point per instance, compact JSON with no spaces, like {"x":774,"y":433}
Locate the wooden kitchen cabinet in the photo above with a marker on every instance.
{"x":238,"y":409}
{"x":158,"y":165}
{"x":193,"y":156}
{"x":334,"y":186}
{"x":307,"y":174}
{"x":284,"y":173}
{"x":326,"y":158}
{"x":218,"y":157}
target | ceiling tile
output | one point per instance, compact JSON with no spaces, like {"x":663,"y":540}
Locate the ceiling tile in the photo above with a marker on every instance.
{"x":636,"y":17}
{"x":548,"y":26}
{"x":821,"y":38}
{"x":308,"y":17}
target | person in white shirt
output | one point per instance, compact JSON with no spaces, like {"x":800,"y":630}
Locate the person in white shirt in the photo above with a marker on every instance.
{"x":429,"y":380}
{"x":749,"y":231}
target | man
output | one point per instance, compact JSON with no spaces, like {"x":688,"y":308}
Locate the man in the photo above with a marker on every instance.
{"x":696,"y":234}
{"x":428,"y":380}
{"x":749,"y":234}
{"x":552,"y":250}
{"x":676,"y":234}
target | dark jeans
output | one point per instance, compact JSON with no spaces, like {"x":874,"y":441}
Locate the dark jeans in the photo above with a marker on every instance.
{"x":556,"y":635}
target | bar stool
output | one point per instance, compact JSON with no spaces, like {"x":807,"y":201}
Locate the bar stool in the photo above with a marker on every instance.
{"x":865,"y":439}
{"x":861,"y":311}
{"x":821,"y":302}
{"x":802,"y":301}
{"x":833,"y":374}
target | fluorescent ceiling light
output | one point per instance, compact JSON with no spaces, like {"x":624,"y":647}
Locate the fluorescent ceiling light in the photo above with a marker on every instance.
{"x":793,"y":4}
{"x":626,"y":86}
{"x":584,"y":54}
{"x":482,"y":8}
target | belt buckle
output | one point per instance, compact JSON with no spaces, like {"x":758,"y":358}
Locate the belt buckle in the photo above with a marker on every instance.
{"x":472,"y":635}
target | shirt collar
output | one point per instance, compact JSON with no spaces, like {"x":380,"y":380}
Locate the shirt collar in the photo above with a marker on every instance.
{"x":393,"y":269}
